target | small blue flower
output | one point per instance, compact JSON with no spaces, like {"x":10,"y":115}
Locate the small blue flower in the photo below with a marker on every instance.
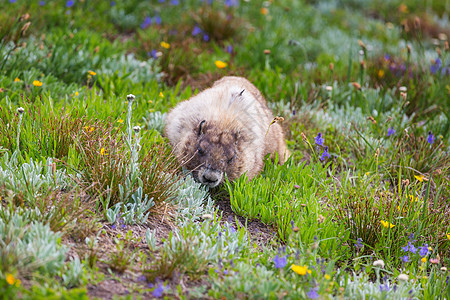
{"x":196,"y":31}
{"x":113,"y":226}
{"x":430,"y":138}
{"x":405,"y":249}
{"x":423,"y":251}
{"x":158,"y":292}
{"x":41,"y":3}
{"x":230,"y":49}
{"x":312,"y":293}
{"x":112,"y":3}
{"x":319,"y":139}
{"x":141,"y":278}
{"x":405,"y":258}
{"x":384,"y":287}
{"x":280,"y":262}
{"x":412,"y":249}
{"x":387,"y":57}
{"x":161,"y":1}
{"x":325,"y":154}
{"x":174,"y":2}
{"x":359,"y":244}
{"x":153,"y":54}
{"x":157,"y":20}
{"x":231,"y":2}
{"x":12,"y":1}
{"x":436,"y":66}
{"x":147,"y":22}
{"x":391,"y":131}
{"x":70,"y":3}
{"x":206,"y":37}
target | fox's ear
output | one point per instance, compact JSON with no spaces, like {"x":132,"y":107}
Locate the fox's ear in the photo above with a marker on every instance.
{"x":202,"y":127}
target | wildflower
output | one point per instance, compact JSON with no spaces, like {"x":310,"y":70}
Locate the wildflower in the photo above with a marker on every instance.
{"x":434,"y":260}
{"x":161,"y":94}
{"x":420,"y":178}
{"x":424,"y":259}
{"x":329,"y":88}
{"x":405,"y":258}
{"x":356,"y":85}
{"x":319,"y":139}
{"x":264,"y":11}
{"x":165,"y":45}
{"x":103,"y":151}
{"x":131,"y":97}
{"x":327,"y":277}
{"x":300,"y":270}
{"x":231,"y":3}
{"x":92,"y":73}
{"x":112,"y":3}
{"x":11,"y":280}
{"x":230,"y":49}
{"x":136,"y":129}
{"x":196,"y":31}
{"x":76,"y":93}
{"x":378,"y":263}
{"x":205,"y":37}
{"x":157,"y":20}
{"x":174,"y":2}
{"x":444,"y":269}
{"x":280,"y":262}
{"x":380,"y":73}
{"x":436,"y":66}
{"x":403,"y":277}
{"x":312,"y":294}
{"x":70,"y":3}
{"x":89,"y":128}
{"x":20,"y":110}
{"x":423,"y":251}
{"x":391,"y":131}
{"x":147,"y":22}
{"x":384,"y":287}
{"x":386,"y":224}
{"x":358,"y":244}
{"x":325,"y":154}
{"x":448,"y":235}
{"x":37,"y":83}
{"x":16,"y":79}
{"x":430,"y":138}
{"x":403,"y":89}
{"x":296,"y":186}
{"x":41,"y":3}
{"x":159,"y":290}
{"x":221,"y":64}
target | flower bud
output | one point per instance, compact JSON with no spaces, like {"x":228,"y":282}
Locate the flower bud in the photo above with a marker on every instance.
{"x":20,"y":110}
{"x":137,"y":129}
{"x":130,"y":97}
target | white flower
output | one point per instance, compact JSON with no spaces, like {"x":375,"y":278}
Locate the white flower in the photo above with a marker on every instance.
{"x":130,"y":97}
{"x":20,"y":110}
{"x":329,"y":88}
{"x":444,"y":269}
{"x":403,"y":277}
{"x":207,"y":216}
{"x":403,"y":89}
{"x":136,"y":129}
{"x":379,"y":263}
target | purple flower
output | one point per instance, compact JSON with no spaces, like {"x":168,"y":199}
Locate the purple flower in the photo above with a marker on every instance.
{"x":225,"y":272}
{"x":70,"y":3}
{"x":141,"y":278}
{"x":153,"y":54}
{"x":280,"y":262}
{"x":405,"y":258}
{"x":387,"y":57}
{"x":159,"y":290}
{"x":113,"y":226}
{"x":358,"y":244}
{"x":312,"y":293}
{"x":230,"y":49}
{"x":412,"y":249}
{"x":231,"y":2}
{"x":384,"y":287}
{"x":174,"y":2}
{"x":112,"y":3}
{"x":319,"y":139}
{"x":423,"y":251}
{"x":147,"y":22}
{"x":196,"y":31}
{"x":325,"y":154}
{"x":430,"y":138}
{"x":436,"y":66}
{"x":391,"y":131}
{"x":12,"y":1}
{"x":206,"y":37}
{"x":157,"y":20}
{"x":161,"y":1}
{"x":41,"y":3}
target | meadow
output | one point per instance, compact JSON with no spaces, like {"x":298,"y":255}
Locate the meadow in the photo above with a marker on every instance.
{"x":93,"y":203}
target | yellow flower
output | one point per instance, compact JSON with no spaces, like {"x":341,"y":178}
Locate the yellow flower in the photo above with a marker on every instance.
{"x":300,"y":270}
{"x":17,"y":79}
{"x":161,"y":94}
{"x":448,"y":235}
{"x":10,"y":278}
{"x":380,"y":73}
{"x":165,"y":45}
{"x":264,"y":11}
{"x":92,"y":73}
{"x":37,"y":83}
{"x":76,"y":93}
{"x":424,"y":259}
{"x":89,"y":128}
{"x":120,"y":121}
{"x":220,"y":64}
{"x":387,"y":224}
{"x":420,"y":178}
{"x":327,"y":277}
{"x":103,"y":151}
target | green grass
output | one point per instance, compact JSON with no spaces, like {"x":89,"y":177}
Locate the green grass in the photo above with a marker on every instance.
{"x":372,"y":77}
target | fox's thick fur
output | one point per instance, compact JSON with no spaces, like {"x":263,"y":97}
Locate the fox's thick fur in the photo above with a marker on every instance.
{"x":224,"y":129}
